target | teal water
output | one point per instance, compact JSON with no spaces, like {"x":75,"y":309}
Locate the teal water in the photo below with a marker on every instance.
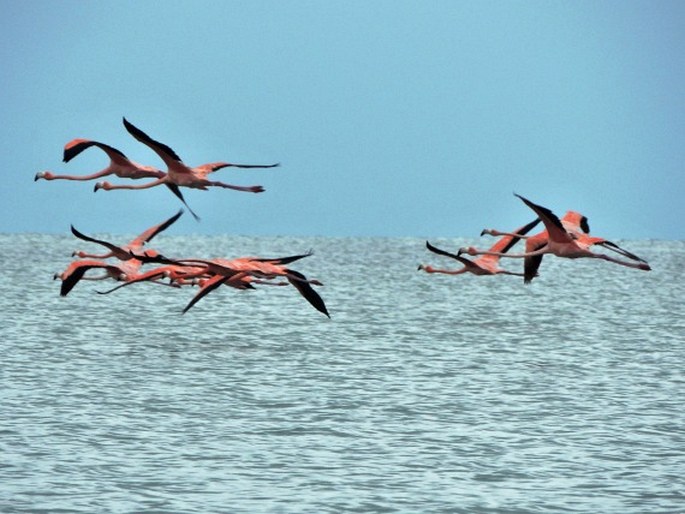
{"x":421,"y":394}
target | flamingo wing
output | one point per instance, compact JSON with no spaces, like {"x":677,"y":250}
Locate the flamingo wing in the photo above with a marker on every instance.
{"x":300,"y":282}
{"x":284,"y":260}
{"x":150,"y":233}
{"x":106,"y":244}
{"x":76,"y":146}
{"x":504,"y":244}
{"x":149,"y":275}
{"x":555,"y":229}
{"x":77,"y":273}
{"x":207,"y":287}
{"x":165,"y":153}
{"x":177,"y":191}
{"x":532,"y":264}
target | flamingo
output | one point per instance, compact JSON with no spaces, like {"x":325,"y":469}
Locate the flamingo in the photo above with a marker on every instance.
{"x":129,"y":250}
{"x":560,"y":242}
{"x":577,"y":226}
{"x":180,"y":174}
{"x":232,"y":272}
{"x":119,"y":164}
{"x":76,"y":271}
{"x":485,"y":264}
{"x":574,"y":222}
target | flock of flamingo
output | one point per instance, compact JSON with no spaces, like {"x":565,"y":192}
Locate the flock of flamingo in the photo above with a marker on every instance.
{"x":208,"y":274}
{"x":567,"y":237}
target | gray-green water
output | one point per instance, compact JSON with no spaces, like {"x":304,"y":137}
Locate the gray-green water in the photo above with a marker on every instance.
{"x":422,"y":394}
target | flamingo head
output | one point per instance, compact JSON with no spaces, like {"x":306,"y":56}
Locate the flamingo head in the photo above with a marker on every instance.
{"x":102,"y":185}
{"x":490,"y":232}
{"x":471,"y":250}
{"x":78,"y":253}
{"x":425,"y":268}
{"x":56,"y":276}
{"x":43,"y":174}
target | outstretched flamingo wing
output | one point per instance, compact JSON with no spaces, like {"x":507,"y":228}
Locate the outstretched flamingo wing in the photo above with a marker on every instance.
{"x":504,"y":244}
{"x":147,"y":235}
{"x":76,"y":146}
{"x":175,"y":189}
{"x":532,"y":264}
{"x":165,"y":153}
{"x":149,"y":275}
{"x":300,"y":282}
{"x":555,"y":229}
{"x":207,"y":287}
{"x":77,"y":273}
{"x":284,"y":260}
{"x":106,"y":244}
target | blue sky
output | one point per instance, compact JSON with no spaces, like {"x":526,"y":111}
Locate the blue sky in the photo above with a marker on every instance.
{"x":390,"y":118}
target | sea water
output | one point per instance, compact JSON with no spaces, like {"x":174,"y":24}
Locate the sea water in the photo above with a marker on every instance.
{"x":422,"y":393}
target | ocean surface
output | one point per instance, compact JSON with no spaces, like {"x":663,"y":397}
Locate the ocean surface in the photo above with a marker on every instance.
{"x":422,"y":394}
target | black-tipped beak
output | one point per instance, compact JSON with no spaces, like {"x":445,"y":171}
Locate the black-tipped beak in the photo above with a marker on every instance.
{"x":95,"y":189}
{"x":482,"y":232}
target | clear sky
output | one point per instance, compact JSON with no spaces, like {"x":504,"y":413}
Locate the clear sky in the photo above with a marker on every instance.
{"x":390,"y":118}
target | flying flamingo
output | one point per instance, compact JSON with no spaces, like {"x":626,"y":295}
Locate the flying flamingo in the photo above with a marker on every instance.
{"x":76,"y":271}
{"x":119,"y":164}
{"x":232,"y":272}
{"x":577,"y":226}
{"x":574,"y":222}
{"x":129,"y":250}
{"x":180,"y":174}
{"x":485,"y":264}
{"x":560,"y":242}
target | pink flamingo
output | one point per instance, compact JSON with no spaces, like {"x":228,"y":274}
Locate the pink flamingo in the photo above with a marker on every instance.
{"x":560,"y":242}
{"x":76,"y":271}
{"x":484,"y":264}
{"x":178,"y":173}
{"x":577,"y":226}
{"x":574,"y":222}
{"x":233,"y":273}
{"x":119,"y":164}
